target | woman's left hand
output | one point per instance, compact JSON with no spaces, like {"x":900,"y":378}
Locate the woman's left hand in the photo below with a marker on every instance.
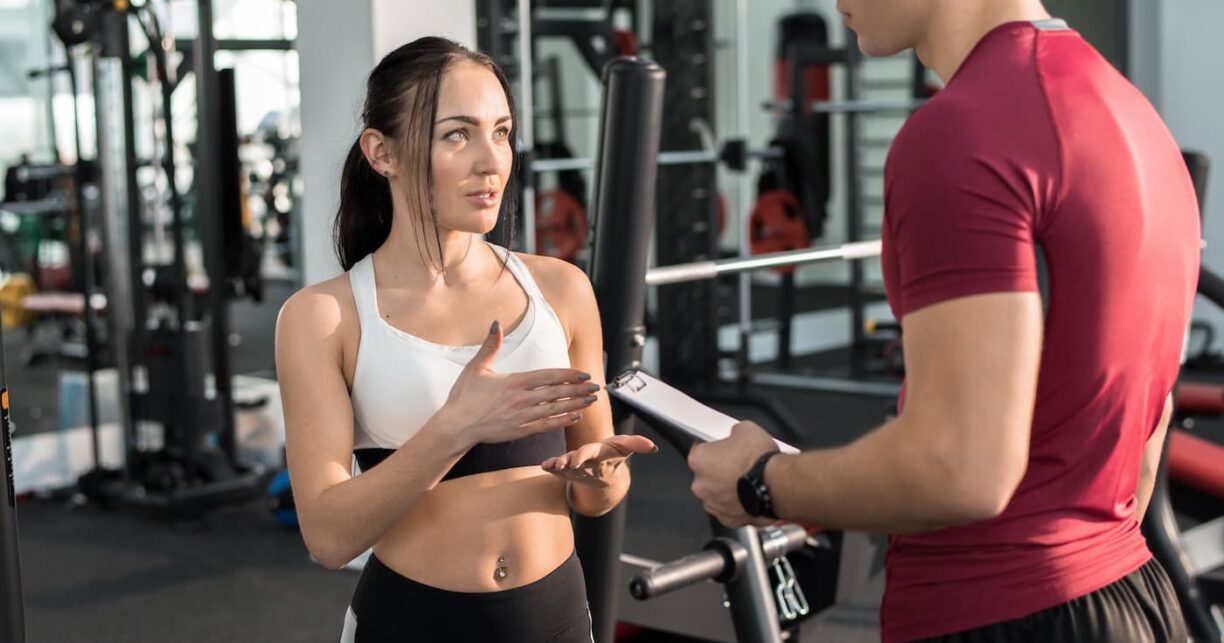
{"x":595,"y":463}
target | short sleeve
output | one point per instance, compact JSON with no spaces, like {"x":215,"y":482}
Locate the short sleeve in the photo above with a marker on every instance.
{"x":960,"y":213}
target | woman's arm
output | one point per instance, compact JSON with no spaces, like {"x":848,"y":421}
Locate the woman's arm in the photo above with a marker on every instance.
{"x":342,"y":516}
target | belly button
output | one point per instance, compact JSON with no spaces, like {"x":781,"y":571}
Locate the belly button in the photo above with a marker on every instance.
{"x":502,"y":570}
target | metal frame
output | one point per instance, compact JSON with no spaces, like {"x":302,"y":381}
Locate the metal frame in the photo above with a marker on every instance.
{"x":743,"y":123}
{"x":12,"y":601}
{"x":113,"y":159}
{"x":623,"y":211}
{"x":676,"y":157}
{"x":526,"y":124}
{"x":854,"y":201}
{"x":210,"y":190}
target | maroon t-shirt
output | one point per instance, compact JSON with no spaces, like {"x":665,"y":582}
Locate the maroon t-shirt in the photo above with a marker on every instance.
{"x":1037,"y":143}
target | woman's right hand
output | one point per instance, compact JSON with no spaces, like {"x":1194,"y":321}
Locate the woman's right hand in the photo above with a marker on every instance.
{"x":496,"y":407}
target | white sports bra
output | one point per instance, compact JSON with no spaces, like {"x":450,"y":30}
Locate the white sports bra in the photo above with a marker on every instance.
{"x":401,"y":380}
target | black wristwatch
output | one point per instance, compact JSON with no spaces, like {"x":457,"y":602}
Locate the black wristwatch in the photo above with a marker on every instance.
{"x":753,"y":492}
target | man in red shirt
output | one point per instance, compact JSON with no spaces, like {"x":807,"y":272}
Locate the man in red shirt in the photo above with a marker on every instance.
{"x":1014,"y":479}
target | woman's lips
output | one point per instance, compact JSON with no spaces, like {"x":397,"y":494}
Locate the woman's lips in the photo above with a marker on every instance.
{"x":484,"y":199}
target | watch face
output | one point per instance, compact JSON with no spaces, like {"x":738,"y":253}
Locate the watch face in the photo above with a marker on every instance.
{"x":748,"y":496}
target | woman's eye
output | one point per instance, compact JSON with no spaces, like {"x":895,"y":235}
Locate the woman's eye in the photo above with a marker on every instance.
{"x":501,"y":134}
{"x":456,"y":136}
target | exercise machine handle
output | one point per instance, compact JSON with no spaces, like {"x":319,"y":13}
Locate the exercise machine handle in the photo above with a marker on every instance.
{"x":722,"y":560}
{"x":711,"y":564}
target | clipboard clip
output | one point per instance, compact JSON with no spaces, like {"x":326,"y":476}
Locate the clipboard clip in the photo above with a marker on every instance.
{"x":630,"y":380}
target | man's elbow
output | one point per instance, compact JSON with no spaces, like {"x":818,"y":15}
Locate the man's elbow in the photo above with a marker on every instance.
{"x":985,"y":502}
{"x":982,"y":491}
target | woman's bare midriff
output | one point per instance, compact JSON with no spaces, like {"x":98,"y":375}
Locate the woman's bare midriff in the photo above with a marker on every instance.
{"x":460,"y":534}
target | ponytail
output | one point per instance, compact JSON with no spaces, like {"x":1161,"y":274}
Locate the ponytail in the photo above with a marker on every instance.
{"x":364,"y":218}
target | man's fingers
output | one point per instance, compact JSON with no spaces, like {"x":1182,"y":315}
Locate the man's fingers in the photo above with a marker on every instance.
{"x":694,"y":455}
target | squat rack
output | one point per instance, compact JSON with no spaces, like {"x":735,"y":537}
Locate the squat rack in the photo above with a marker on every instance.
{"x":624,"y":213}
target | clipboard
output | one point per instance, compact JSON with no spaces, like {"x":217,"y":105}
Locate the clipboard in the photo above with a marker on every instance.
{"x":679,"y":418}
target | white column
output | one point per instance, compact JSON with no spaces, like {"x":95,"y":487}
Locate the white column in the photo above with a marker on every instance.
{"x":401,"y":21}
{"x":338,"y":44}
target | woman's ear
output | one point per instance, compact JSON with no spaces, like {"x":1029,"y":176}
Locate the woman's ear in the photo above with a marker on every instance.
{"x":377,"y":150}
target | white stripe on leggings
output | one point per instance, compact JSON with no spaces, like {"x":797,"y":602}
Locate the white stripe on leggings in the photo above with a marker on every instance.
{"x":350,"y":627}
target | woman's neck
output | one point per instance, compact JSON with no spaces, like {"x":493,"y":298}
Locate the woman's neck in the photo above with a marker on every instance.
{"x":411,"y":254}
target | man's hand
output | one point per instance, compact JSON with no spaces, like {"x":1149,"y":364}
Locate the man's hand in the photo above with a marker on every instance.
{"x":717,"y":468}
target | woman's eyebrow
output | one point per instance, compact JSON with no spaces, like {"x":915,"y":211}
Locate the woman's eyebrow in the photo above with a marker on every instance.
{"x":470,"y":120}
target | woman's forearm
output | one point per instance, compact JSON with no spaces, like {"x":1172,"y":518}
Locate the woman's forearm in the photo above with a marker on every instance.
{"x":591,"y":500}
{"x":349,"y":517}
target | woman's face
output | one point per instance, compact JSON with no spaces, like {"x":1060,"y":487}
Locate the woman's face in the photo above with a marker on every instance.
{"x":471,"y":149}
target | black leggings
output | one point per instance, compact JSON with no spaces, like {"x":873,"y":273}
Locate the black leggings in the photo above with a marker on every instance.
{"x":1139,"y":608}
{"x":389,"y":607}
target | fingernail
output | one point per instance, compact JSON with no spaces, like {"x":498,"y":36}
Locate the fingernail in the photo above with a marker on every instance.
{"x":584,"y":377}
{"x":591,"y":399}
{"x":493,"y":328}
{"x":576,"y":416}
{"x":592,"y":388}
{"x":656,"y":449}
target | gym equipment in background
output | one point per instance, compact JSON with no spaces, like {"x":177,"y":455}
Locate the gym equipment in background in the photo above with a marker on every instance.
{"x":560,"y":213}
{"x":169,"y":334}
{"x":279,"y":499}
{"x":1190,"y":482}
{"x":12,"y":602}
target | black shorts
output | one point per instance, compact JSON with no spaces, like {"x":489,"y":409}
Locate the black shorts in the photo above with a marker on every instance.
{"x":389,"y":607}
{"x":1139,"y":608}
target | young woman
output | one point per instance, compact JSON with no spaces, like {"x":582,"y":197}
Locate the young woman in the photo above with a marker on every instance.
{"x":474,"y":443}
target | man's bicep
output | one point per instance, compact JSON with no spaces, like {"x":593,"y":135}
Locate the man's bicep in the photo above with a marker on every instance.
{"x":971,"y":379}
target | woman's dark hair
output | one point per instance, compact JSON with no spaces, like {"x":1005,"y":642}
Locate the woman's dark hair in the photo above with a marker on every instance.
{"x":402,"y":103}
